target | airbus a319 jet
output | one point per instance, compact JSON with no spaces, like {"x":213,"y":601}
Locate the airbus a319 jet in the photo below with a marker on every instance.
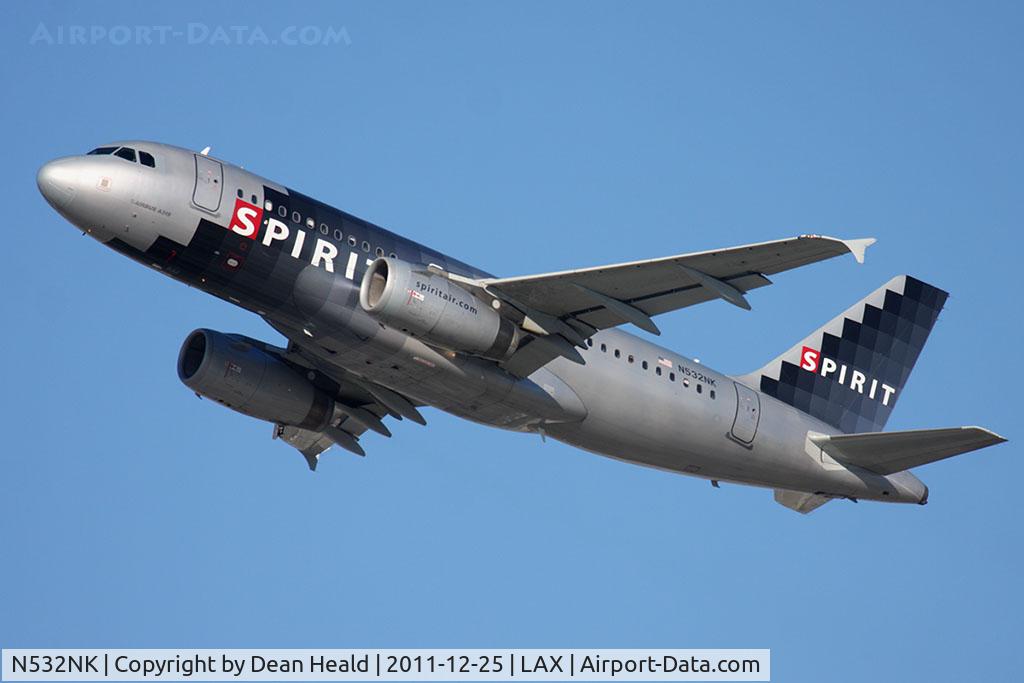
{"x":379,"y":326}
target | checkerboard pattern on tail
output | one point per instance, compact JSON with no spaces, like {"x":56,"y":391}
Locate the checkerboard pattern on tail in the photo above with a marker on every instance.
{"x":850,"y":372}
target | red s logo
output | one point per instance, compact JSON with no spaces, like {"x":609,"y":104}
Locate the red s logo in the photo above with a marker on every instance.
{"x":246,"y":219}
{"x":809,"y":359}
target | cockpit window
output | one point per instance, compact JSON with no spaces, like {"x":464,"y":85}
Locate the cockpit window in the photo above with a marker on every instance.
{"x":147,"y":159}
{"x":103,"y":150}
{"x":126,"y":153}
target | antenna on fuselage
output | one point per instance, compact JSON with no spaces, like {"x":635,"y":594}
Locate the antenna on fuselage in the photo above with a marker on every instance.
{"x":206,"y":150}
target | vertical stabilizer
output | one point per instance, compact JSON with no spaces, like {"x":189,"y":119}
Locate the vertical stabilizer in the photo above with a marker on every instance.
{"x":851,"y":372}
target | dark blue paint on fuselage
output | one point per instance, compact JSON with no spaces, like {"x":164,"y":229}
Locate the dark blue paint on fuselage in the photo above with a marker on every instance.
{"x":262,"y":277}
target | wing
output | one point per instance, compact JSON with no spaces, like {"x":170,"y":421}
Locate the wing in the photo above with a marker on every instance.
{"x":891,"y":452}
{"x":361,"y":406}
{"x":562,"y":309}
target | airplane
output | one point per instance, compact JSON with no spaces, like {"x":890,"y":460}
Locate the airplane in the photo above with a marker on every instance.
{"x":379,"y":326}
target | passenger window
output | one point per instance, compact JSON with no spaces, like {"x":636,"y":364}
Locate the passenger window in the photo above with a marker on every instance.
{"x":657,"y":371}
{"x":686,"y":382}
{"x":630,"y":358}
{"x":103,"y":150}
{"x":712,"y":394}
{"x":700,"y":389}
{"x":644,"y":365}
{"x":351,"y":240}
{"x":282,"y":211}
{"x":240,"y":193}
{"x":310,"y":223}
{"x":393,"y":255}
{"x":366,"y":246}
{"x":604,"y":348}
{"x":268,"y":205}
{"x":126,"y":153}
{"x":617,"y":353}
{"x":296,"y":217}
{"x":323,"y":229}
{"x":590,"y":343}
{"x":147,"y":160}
{"x":254,"y":200}
{"x":379,"y":252}
{"x":672,"y":377}
{"x":337,"y":234}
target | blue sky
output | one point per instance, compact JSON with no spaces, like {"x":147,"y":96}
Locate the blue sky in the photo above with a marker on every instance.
{"x":521,"y":138}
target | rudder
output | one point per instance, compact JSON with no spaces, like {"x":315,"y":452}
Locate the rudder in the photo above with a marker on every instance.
{"x":850,"y":372}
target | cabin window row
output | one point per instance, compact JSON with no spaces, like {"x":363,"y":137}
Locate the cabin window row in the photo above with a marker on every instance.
{"x":658,"y":370}
{"x":325,"y":230}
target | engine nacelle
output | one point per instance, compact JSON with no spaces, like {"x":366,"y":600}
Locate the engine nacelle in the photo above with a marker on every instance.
{"x":233,"y":371}
{"x":435,"y":310}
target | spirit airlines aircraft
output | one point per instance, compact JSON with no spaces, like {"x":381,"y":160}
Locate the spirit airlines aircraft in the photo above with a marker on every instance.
{"x":379,"y":325}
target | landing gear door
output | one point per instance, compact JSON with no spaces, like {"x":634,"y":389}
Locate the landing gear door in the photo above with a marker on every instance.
{"x":748,"y":414}
{"x":209,"y":179}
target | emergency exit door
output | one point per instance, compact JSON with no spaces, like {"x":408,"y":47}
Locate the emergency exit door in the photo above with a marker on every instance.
{"x":209,"y":179}
{"x":748,"y":413}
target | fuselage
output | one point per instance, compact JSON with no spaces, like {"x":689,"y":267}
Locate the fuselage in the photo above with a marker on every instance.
{"x":298,"y":263}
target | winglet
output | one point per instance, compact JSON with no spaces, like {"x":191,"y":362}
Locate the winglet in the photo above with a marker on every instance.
{"x":858,"y":247}
{"x":311,"y":460}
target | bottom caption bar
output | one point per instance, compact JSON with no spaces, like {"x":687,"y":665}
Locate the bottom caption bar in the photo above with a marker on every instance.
{"x":385,"y":665}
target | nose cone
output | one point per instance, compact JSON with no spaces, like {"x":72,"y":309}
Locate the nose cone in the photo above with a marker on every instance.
{"x":58,"y":183}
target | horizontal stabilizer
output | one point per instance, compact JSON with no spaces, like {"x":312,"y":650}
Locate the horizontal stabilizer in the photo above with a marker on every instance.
{"x":891,"y":452}
{"x":800,"y":501}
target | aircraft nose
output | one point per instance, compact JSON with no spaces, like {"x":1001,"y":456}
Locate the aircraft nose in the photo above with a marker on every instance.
{"x":57,"y":183}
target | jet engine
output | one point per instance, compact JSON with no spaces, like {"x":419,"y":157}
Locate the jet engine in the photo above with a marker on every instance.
{"x":236,"y":372}
{"x":435,"y":309}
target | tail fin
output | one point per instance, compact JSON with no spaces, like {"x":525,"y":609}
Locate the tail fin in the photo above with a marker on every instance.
{"x":850,"y":373}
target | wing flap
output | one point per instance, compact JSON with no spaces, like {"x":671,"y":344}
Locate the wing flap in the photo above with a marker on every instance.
{"x":891,"y":452}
